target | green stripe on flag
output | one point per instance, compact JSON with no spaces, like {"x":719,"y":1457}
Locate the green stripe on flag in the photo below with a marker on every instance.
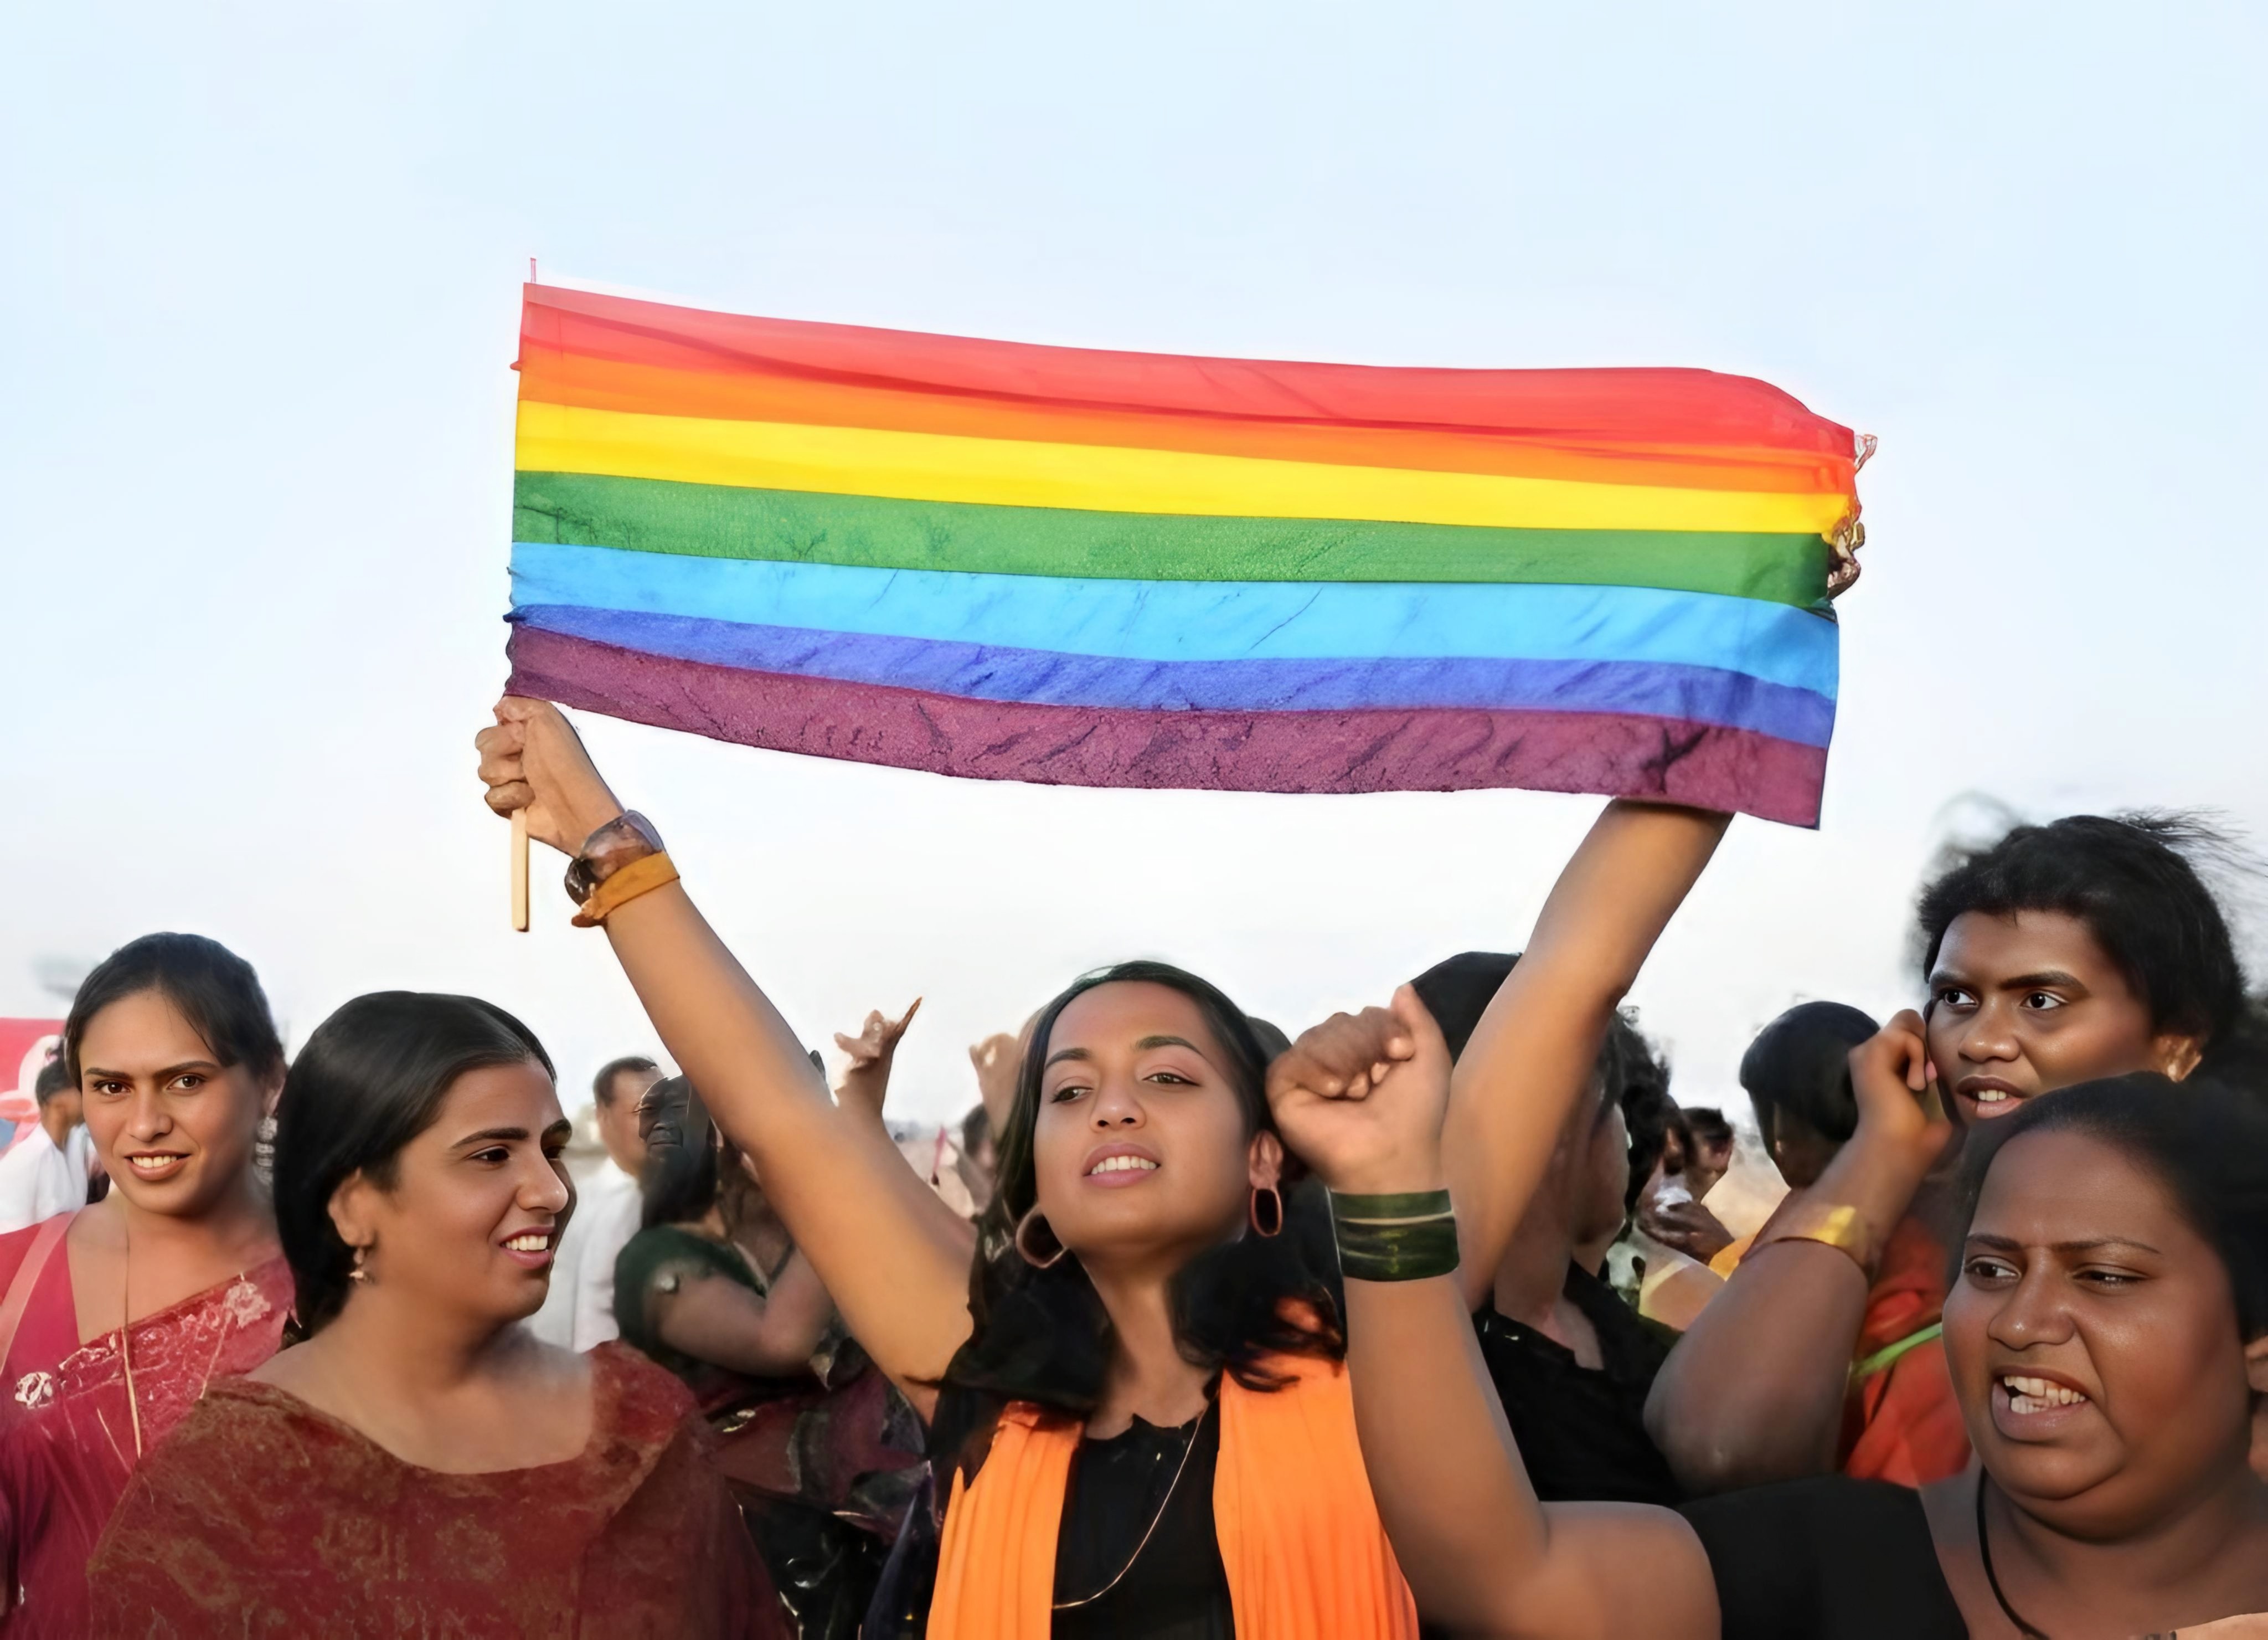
{"x":716,"y":520}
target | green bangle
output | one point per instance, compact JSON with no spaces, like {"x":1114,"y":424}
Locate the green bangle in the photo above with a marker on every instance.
{"x":1411,"y":1204}
{"x":1395,"y":1238}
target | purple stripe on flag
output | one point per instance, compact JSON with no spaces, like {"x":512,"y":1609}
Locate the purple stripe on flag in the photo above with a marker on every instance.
{"x":1438,"y":749}
{"x":1698,"y":694}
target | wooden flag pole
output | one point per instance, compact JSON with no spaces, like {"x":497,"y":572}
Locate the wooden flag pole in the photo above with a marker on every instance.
{"x":519,"y":869}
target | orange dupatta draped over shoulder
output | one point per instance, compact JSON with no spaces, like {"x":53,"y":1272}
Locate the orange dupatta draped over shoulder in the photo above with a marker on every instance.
{"x":1298,"y":1530}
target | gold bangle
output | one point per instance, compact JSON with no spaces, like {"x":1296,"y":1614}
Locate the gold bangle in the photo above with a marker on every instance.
{"x":1838,"y":1225}
{"x":642,"y":876}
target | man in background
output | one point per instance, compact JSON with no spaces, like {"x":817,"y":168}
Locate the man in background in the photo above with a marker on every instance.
{"x":46,"y":1172}
{"x":578,"y":1312}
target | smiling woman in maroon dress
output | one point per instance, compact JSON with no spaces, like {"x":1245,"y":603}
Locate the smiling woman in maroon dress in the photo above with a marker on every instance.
{"x":423,"y":1463}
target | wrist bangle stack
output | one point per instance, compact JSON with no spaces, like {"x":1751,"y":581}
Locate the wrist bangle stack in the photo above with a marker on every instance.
{"x":1404,"y":1237}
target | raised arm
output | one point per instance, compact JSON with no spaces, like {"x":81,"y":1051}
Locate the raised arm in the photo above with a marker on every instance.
{"x":1753,"y":1392}
{"x":1482,"y":1556}
{"x":893,"y":1255}
{"x":1533,"y":1053}
{"x":718,"y":1320}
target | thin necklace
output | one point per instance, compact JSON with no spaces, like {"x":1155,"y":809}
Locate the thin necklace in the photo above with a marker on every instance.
{"x":1984,"y":1554}
{"x":126,"y":1335}
{"x":1171,"y":1487}
{"x":126,"y":1327}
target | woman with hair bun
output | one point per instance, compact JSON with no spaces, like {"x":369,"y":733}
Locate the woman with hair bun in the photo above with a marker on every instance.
{"x":422,"y":1464}
{"x":114,"y":1318}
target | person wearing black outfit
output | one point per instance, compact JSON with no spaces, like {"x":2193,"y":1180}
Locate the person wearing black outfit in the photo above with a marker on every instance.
{"x":2107,"y":1339}
{"x":1146,"y":1255}
{"x":1572,"y":1362}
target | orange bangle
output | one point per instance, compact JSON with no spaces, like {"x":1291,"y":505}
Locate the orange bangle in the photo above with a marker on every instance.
{"x":642,"y":876}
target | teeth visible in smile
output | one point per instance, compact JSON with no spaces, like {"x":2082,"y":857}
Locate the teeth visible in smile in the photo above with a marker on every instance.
{"x":2029,"y":1394}
{"x":151,"y":1163}
{"x":533,"y":1241}
{"x":1992,"y":1095}
{"x":1122,"y":1164}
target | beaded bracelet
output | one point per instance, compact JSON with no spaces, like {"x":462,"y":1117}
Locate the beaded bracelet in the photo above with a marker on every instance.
{"x":1404,"y":1237}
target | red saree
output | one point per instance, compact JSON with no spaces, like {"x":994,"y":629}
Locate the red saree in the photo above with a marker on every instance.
{"x":67,"y":1430}
{"x":265,"y":1517}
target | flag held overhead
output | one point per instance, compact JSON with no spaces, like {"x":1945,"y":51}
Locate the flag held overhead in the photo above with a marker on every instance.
{"x":1013,"y":562}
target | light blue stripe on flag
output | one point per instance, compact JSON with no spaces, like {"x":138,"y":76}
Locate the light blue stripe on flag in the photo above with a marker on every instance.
{"x":1200,"y":620}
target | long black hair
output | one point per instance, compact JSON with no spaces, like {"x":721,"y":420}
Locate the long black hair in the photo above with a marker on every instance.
{"x":1042,"y":1335}
{"x":213,"y":988}
{"x":2133,"y":881}
{"x":371,"y":1078}
{"x":2206,"y":1140}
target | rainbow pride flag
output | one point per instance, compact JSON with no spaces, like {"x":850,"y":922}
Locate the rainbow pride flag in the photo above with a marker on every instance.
{"x":1049,"y":564}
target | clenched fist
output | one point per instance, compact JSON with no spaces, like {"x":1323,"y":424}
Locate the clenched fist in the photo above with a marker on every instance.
{"x":533,"y":759}
{"x":1360,"y":1098}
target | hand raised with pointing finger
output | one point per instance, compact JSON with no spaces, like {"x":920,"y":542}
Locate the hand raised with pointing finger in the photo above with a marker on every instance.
{"x":531,"y":759}
{"x":1361,"y":1098}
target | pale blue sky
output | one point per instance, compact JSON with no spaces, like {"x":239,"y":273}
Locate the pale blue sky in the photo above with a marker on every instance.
{"x":258,"y":278}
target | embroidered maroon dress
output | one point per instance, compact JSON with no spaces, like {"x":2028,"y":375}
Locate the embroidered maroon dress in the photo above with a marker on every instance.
{"x":66,"y":1430}
{"x":264,"y":1518}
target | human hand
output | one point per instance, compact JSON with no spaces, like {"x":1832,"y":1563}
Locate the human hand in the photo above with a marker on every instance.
{"x":1902,"y":1116}
{"x":533,"y":759}
{"x":1360,"y":1098}
{"x":998,"y":1060}
{"x":1688,"y":1226}
{"x":866,"y":1080}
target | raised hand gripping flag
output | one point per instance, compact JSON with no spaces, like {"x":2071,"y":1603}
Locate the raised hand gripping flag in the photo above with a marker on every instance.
{"x":1049,"y":564}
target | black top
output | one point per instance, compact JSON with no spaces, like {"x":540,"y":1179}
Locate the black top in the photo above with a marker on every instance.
{"x":1176,"y":1588}
{"x":1826,"y":1559}
{"x":1582,"y":1430}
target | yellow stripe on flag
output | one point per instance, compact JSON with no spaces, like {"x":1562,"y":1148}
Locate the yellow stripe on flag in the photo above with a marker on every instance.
{"x":939,"y":466}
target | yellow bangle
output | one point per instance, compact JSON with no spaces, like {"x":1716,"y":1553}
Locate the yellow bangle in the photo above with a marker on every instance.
{"x":1839,"y":1226}
{"x":642,"y":876}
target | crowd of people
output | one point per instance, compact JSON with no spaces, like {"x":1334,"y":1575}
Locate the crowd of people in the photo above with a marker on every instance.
{"x":1205,"y":1331}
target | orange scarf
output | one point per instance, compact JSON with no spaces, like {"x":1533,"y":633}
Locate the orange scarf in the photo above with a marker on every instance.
{"x":1299,"y":1533}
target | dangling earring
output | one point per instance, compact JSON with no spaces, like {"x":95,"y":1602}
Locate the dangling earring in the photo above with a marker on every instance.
{"x":264,"y":1148}
{"x":358,"y":1273}
{"x":1274,"y":1215}
{"x":1023,"y":1225}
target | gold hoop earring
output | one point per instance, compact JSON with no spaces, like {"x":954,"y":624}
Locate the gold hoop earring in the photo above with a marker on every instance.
{"x":1023,"y":1226}
{"x":1275,"y":1225}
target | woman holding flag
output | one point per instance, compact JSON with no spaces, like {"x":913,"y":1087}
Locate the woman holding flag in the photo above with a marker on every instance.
{"x":1151,"y":1317}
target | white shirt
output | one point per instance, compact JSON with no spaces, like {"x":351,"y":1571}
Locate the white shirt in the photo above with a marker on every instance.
{"x":578,"y":1312}
{"x":39,"y":1178}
